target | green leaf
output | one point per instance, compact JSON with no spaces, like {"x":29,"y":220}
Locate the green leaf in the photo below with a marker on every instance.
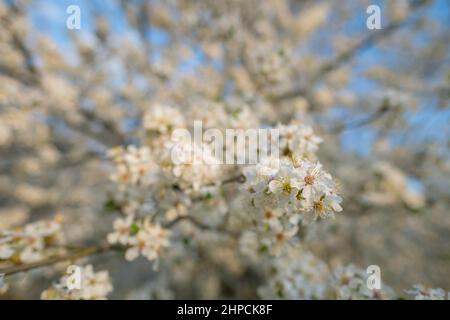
{"x":134,"y":228}
{"x":112,"y":205}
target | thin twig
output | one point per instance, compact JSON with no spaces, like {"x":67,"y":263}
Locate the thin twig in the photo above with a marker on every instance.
{"x":77,"y":254}
{"x":90,"y":251}
{"x":382,"y":110}
{"x":366,"y":43}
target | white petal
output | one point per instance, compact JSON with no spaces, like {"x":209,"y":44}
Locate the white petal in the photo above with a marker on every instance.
{"x":113,"y":237}
{"x":132,"y":253}
{"x":275,"y":186}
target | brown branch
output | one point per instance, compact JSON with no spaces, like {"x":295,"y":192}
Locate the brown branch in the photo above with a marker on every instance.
{"x":380,"y":112}
{"x":115,"y":135}
{"x":239,"y":179}
{"x":369,"y":41}
{"x":30,"y":75}
{"x":77,"y":254}
{"x":366,"y":43}
{"x":91,"y":251}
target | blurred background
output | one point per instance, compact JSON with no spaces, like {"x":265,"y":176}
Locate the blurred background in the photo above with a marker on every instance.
{"x":379,"y":99}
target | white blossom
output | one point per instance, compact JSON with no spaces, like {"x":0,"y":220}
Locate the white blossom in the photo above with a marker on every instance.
{"x":163,"y":119}
{"x":32,"y":243}
{"x":350,"y":283}
{"x":420,"y":292}
{"x":122,"y":230}
{"x":298,"y":141}
{"x":149,"y":241}
{"x":94,"y":286}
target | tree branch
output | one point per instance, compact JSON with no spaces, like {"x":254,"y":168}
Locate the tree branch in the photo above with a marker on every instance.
{"x":369,"y":41}
{"x":382,"y":110}
{"x":77,"y":254}
{"x":90,"y":251}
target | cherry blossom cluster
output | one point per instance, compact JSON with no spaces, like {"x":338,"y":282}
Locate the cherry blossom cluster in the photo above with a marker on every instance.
{"x":298,"y":141}
{"x":162,"y":119}
{"x":420,"y":292}
{"x":134,"y":173}
{"x":298,"y":275}
{"x":194,"y":174}
{"x":279,"y":192}
{"x":133,"y":166}
{"x":296,"y":181}
{"x":140,"y":237}
{"x":93,"y":286}
{"x":282,"y":193}
{"x":301,"y":275}
{"x":31,"y":243}
{"x":350,"y":283}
